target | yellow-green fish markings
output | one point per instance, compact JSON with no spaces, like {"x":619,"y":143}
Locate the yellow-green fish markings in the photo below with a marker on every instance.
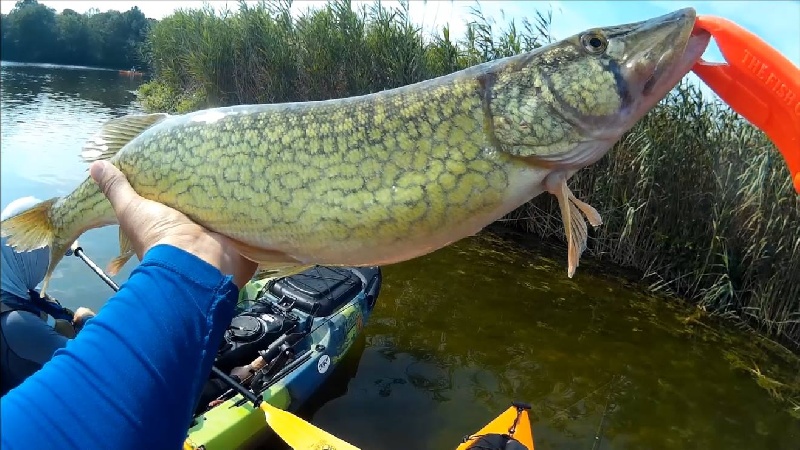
{"x":385,"y":177}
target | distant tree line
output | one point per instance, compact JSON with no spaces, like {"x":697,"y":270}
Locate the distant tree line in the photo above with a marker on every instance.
{"x":33,"y":32}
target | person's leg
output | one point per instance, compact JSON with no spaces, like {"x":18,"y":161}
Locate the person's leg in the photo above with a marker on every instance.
{"x":64,"y":328}
{"x":27,"y":343}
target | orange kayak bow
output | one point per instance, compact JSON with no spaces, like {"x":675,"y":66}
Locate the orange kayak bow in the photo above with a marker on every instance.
{"x":510,"y":430}
{"x":759,"y":83}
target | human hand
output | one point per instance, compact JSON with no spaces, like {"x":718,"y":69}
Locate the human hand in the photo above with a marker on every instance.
{"x":148,"y":223}
{"x":80,"y":317}
{"x":81,"y":314}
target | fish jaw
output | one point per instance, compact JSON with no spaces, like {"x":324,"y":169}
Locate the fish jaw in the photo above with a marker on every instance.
{"x":669,"y":47}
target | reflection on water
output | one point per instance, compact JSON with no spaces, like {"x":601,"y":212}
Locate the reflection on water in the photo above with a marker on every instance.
{"x":460,"y":333}
{"x":47,"y":116}
{"x":68,"y":86}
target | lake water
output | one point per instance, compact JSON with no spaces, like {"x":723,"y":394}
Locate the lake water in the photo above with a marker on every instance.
{"x":460,"y":333}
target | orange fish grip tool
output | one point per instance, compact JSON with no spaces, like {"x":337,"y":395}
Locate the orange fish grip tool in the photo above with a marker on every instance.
{"x":757,"y":82}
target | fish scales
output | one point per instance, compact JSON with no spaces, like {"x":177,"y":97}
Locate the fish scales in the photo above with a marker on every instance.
{"x":386,"y":177}
{"x":372,"y":172}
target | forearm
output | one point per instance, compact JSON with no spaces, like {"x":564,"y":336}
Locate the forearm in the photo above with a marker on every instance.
{"x":133,"y":376}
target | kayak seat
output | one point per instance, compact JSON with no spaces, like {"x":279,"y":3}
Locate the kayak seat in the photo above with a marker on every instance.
{"x":318,"y":291}
{"x":496,"y":441}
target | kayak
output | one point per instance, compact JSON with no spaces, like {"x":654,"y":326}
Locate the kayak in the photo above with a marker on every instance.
{"x":302,"y":326}
{"x":511,"y":430}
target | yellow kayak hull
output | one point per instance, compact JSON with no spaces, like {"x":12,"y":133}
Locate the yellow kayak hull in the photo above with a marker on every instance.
{"x":513,"y":422}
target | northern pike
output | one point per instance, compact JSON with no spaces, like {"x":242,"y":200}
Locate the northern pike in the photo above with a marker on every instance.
{"x":389,"y":176}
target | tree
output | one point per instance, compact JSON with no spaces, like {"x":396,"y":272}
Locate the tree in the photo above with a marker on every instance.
{"x":31,"y":28}
{"x":32,"y":32}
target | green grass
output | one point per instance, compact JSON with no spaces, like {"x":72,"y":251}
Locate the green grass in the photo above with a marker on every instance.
{"x":693,"y":197}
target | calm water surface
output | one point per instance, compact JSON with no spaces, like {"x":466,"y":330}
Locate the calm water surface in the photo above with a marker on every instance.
{"x":459,"y":334}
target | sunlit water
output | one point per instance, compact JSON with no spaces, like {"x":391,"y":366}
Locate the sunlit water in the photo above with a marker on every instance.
{"x":460,"y":333}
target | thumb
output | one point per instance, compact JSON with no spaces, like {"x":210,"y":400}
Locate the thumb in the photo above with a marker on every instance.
{"x":114,"y":185}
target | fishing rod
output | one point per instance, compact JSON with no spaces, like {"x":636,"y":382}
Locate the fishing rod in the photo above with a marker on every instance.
{"x":599,"y":434}
{"x":78,"y":251}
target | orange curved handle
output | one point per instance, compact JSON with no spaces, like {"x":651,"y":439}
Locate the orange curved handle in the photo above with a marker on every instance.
{"x":759,"y":83}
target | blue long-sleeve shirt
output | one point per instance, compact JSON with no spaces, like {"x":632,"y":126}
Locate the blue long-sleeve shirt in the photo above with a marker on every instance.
{"x":132,"y":377}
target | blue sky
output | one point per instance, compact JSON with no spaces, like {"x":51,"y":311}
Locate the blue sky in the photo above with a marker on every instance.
{"x":777,"y":22}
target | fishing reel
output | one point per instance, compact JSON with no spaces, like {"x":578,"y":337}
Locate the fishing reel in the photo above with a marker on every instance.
{"x":250,"y":332}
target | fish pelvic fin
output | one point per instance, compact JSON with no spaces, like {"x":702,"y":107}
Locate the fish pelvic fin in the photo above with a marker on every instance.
{"x":116,"y":133}
{"x":125,"y":253}
{"x":58,"y":249}
{"x":575,"y":229}
{"x":32,"y":229}
{"x":271,"y":263}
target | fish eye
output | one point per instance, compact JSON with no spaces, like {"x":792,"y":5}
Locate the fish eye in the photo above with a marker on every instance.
{"x":594,"y":42}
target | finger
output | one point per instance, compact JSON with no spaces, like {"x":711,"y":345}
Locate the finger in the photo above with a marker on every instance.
{"x":114,"y":185}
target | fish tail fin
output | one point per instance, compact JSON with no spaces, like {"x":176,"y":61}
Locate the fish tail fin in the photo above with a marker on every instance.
{"x":125,"y":253}
{"x":32,"y":229}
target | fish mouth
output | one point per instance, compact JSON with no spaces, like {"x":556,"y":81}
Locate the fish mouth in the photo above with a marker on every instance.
{"x":666,"y":51}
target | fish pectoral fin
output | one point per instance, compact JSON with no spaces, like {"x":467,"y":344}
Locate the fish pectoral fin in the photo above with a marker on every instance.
{"x":125,"y":253}
{"x":574,"y":225}
{"x":578,"y":237}
{"x":116,"y":133}
{"x":588,"y":210}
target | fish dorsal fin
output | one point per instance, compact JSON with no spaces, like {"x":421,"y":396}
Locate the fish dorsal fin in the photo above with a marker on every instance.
{"x":116,"y":133}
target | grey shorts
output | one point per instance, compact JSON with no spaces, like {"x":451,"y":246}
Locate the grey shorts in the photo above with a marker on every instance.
{"x":26,"y":343}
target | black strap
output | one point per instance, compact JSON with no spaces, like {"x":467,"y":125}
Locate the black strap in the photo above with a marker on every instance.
{"x":52,"y":308}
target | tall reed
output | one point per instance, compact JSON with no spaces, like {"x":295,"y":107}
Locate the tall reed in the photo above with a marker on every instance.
{"x":693,"y":197}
